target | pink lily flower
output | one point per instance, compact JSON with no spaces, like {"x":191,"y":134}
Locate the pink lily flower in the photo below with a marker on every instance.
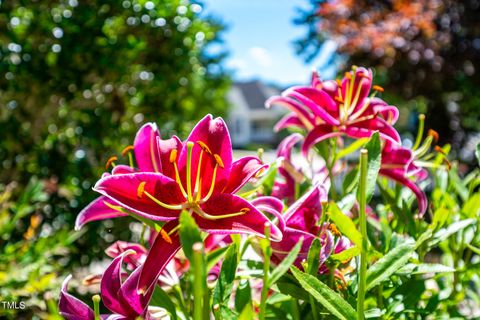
{"x":289,"y":173}
{"x":197,"y":176}
{"x":121,"y":298}
{"x":398,"y":164}
{"x":329,"y":109}
{"x":148,"y":148}
{"x":300,"y":221}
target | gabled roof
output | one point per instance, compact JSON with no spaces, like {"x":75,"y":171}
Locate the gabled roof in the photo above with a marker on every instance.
{"x":256,"y":93}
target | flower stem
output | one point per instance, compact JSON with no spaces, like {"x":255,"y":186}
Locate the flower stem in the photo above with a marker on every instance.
{"x":199,"y":284}
{"x":267,"y":252}
{"x":421,"y":127}
{"x":362,"y":198}
{"x":96,"y":306}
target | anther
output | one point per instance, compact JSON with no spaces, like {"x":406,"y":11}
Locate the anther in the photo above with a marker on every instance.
{"x":204,"y":147}
{"x":141,"y":189}
{"x":338,"y":99}
{"x":165,"y":236}
{"x":339,"y":83}
{"x":333,"y":228}
{"x":219,"y":160}
{"x":378,"y":88}
{"x":127,"y":149}
{"x":245,"y":210}
{"x":173,"y":155}
{"x":440,"y":150}
{"x":111,"y":161}
{"x":348,"y":75}
{"x":433,"y":134}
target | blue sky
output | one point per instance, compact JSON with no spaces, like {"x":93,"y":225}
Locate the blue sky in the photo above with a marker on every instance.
{"x":259,"y":38}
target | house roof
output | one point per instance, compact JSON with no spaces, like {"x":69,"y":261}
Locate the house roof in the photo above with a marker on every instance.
{"x":256,"y":93}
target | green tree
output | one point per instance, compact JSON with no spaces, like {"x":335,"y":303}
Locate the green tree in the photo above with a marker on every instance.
{"x":77,"y":79}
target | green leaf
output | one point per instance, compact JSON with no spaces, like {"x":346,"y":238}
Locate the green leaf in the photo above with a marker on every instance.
{"x":189,"y":234}
{"x":389,"y":264}
{"x":445,"y":233}
{"x":471,"y":208}
{"x":223,"y":289}
{"x":374,"y":148}
{"x":344,"y":224}
{"x":328,"y":298}
{"x":283,"y":267}
{"x":351,"y":148}
{"x":422,"y":268}
{"x":161,"y":299}
{"x":247,"y":313}
{"x":440,"y":216}
{"x":313,"y":258}
{"x":243,"y":295}
{"x":347,"y":227}
{"x":214,"y":256}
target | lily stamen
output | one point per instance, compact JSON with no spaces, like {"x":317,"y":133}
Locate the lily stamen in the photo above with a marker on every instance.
{"x":207,"y":216}
{"x":173,"y":160}
{"x":129,"y":150}
{"x":212,"y":185}
{"x":189,"y":171}
{"x":111,"y":161}
{"x":141,"y":191}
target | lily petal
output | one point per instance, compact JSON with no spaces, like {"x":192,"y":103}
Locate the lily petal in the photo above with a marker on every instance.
{"x":111,"y":283}
{"x":97,"y":210}
{"x":305,"y":212}
{"x":252,"y":221}
{"x":317,"y":135}
{"x":124,"y":190}
{"x":129,"y":296}
{"x":365,"y":129}
{"x":211,"y":134}
{"x":72,"y":308}
{"x":303,"y":114}
{"x":242,"y":171}
{"x":421,"y":197}
{"x":133,"y":260}
{"x":290,"y":120}
{"x":165,"y":148}
{"x":145,"y":148}
{"x":122,"y":169}
{"x":162,"y":251}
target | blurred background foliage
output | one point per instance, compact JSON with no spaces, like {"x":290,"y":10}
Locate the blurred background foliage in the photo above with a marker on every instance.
{"x":77,"y":79}
{"x":425,"y":53}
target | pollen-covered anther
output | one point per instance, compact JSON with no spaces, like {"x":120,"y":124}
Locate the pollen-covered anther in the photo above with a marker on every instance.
{"x":165,"y":236}
{"x":378,"y":88}
{"x":173,"y":155}
{"x":141,"y":189}
{"x":338,"y":99}
{"x":433,"y":134}
{"x":204,"y":146}
{"x":333,"y":228}
{"x":245,"y":210}
{"x":219,"y":160}
{"x":339,"y":83}
{"x":348,"y":75}
{"x":126,"y":150}
{"x":439,"y":150}
{"x":111,"y":161}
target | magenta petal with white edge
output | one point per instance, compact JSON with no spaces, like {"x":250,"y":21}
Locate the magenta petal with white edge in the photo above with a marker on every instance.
{"x":243,"y":170}
{"x":122,"y":169}
{"x":319,"y":106}
{"x":111,"y":283}
{"x":99,"y":209}
{"x":213,"y":137}
{"x":128,"y":190}
{"x":162,"y":251}
{"x":305,"y":212}
{"x":317,"y":135}
{"x":145,"y":148}
{"x":252,"y":221}
{"x":290,"y":120}
{"x":72,"y":308}
{"x":129,"y":296}
{"x":165,"y":148}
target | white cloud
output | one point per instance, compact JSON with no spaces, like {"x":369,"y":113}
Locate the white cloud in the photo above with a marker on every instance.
{"x":260,"y":56}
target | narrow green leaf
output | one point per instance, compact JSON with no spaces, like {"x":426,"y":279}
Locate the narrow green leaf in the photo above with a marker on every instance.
{"x":344,"y":224}
{"x":354,"y":146}
{"x":422,"y":268}
{"x":214,"y":256}
{"x":247,"y":313}
{"x":374,"y":148}
{"x":445,"y":233}
{"x":189,"y":234}
{"x":474,"y":249}
{"x":313,"y":258}
{"x":389,"y":264}
{"x":161,"y":299}
{"x":328,"y":298}
{"x":223,"y":289}
{"x":440,"y":216}
{"x":283,"y":267}
{"x":243,"y":295}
